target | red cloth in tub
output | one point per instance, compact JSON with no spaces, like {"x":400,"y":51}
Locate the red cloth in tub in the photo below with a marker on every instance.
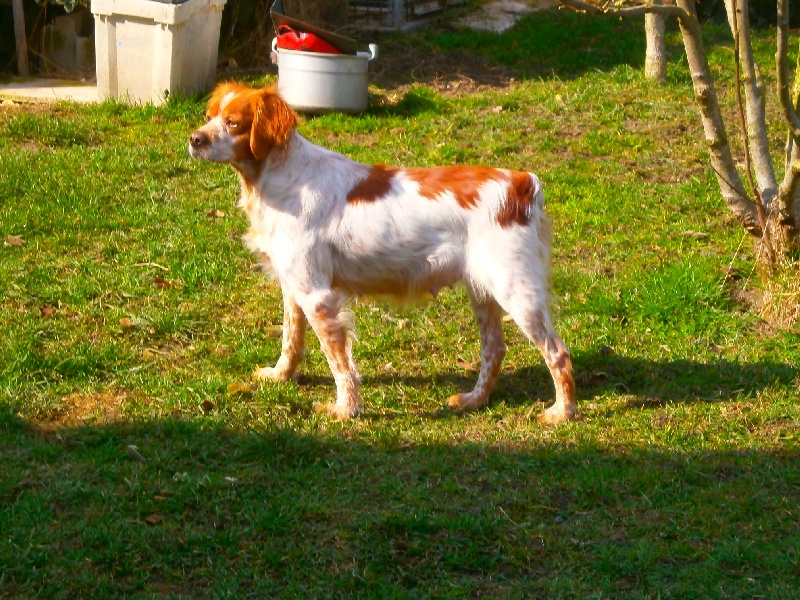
{"x":291,"y":39}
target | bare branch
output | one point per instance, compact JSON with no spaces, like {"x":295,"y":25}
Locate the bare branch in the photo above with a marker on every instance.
{"x":753,"y":126}
{"x":789,"y":190}
{"x":625,"y":11}
{"x":781,"y":58}
{"x":790,"y":186}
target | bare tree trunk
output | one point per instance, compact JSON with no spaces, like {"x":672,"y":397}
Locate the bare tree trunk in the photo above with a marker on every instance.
{"x":722,"y":162}
{"x":756,"y":123}
{"x":787,"y":209}
{"x":655,"y":62}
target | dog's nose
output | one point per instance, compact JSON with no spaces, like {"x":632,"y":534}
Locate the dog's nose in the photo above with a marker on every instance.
{"x":198,"y":139}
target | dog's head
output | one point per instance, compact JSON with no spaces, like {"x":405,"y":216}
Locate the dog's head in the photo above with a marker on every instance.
{"x":243,"y":126}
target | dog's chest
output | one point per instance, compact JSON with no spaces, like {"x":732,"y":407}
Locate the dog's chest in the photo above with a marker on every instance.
{"x":266,"y":225}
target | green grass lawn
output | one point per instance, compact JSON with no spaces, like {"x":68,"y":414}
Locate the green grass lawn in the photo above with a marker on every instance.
{"x":136,"y":460}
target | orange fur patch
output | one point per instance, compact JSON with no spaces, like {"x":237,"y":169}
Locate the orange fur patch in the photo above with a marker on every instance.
{"x":375,"y":186}
{"x":519,"y":200}
{"x":222,"y":90}
{"x":239,"y":111}
{"x":462,"y":181}
{"x":273,"y":123}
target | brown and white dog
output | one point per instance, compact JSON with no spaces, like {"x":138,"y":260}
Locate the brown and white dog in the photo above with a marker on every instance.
{"x":330,"y":228}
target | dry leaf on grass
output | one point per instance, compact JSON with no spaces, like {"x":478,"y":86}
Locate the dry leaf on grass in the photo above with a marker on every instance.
{"x":162,"y":283}
{"x":134,"y":454}
{"x":598,"y":378}
{"x":695,"y":235}
{"x":462,"y":363}
{"x":14,"y":241}
{"x":154,"y":519}
{"x":153,"y":352}
{"x":238,"y":389}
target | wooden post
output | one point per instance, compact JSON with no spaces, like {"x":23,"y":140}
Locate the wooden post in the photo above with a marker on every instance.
{"x":19,"y":35}
{"x":396,"y":18}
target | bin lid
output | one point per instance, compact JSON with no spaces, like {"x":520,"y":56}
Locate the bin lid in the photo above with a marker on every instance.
{"x":345,"y":44}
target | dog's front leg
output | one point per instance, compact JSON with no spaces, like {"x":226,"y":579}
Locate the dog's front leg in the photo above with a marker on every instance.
{"x":293,"y":346}
{"x":330,"y":323}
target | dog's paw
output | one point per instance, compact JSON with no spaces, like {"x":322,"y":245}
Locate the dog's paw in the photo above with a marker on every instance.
{"x":270,"y":374}
{"x":462,"y":403}
{"x":556,"y":414}
{"x":339,"y":411}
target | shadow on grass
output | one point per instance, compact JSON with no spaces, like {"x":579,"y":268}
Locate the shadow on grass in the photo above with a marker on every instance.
{"x":648,"y":383}
{"x":657,"y":383}
{"x":211,"y":512}
{"x":651,"y":382}
{"x":660,"y":382}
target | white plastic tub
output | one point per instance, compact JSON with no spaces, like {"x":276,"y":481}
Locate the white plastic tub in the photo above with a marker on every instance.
{"x":148,"y":50}
{"x":313,"y":82}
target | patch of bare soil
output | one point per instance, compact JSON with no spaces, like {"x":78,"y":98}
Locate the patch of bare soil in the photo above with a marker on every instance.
{"x":85,"y":409}
{"x":13,"y":106}
{"x":747,"y":298}
{"x":413,"y":60}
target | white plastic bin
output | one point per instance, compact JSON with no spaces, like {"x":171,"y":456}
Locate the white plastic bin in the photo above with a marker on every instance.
{"x":314,"y":82}
{"x":147,"y":50}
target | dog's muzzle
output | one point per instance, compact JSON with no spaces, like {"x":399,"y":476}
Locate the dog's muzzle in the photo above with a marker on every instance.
{"x":199,"y":144}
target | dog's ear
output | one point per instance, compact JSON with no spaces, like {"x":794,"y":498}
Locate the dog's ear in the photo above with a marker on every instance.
{"x":273,"y":123}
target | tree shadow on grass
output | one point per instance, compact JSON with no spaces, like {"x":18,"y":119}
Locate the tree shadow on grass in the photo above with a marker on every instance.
{"x":213,"y":512}
{"x":656,"y":383}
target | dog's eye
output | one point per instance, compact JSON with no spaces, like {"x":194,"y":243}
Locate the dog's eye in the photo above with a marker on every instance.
{"x":231,"y":126}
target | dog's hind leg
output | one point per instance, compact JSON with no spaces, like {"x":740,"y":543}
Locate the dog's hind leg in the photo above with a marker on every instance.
{"x":534,"y":320}
{"x":293,"y":346}
{"x":489,"y":316}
